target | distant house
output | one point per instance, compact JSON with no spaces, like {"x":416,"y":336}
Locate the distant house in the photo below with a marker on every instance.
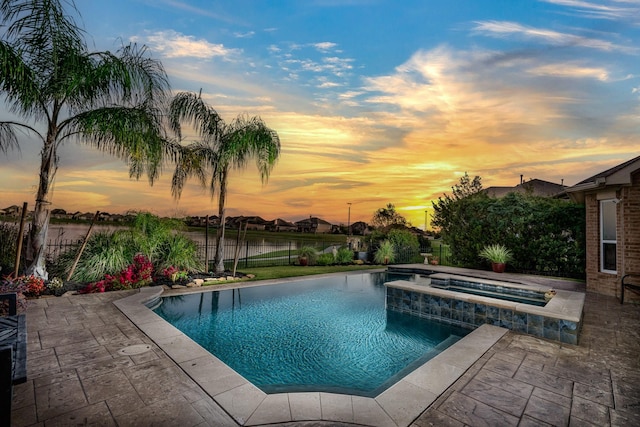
{"x":535,"y":187}
{"x":86,"y":216}
{"x":313,"y":225}
{"x":612,"y":205}
{"x":280,"y":225}
{"x":360,"y":228}
{"x":252,"y":222}
{"x":12,"y":210}
{"x":59,"y":214}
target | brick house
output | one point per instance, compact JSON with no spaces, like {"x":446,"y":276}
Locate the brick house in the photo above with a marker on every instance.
{"x":612,"y":205}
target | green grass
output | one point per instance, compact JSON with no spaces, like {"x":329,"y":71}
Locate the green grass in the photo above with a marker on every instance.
{"x":279,"y":272}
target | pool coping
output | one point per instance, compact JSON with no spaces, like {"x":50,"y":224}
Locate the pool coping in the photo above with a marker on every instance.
{"x":397,"y":406}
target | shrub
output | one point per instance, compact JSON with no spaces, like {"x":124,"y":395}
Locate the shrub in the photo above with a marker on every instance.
{"x":344,"y":256}
{"x":325,"y":259}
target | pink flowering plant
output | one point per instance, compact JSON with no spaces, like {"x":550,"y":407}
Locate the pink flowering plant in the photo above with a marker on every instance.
{"x":137,"y":274}
{"x":175,"y":274}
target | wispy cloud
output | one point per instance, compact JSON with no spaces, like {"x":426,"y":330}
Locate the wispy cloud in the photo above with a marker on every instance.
{"x":616,"y":10}
{"x":246,"y":35}
{"x":171,"y":44}
{"x":505,"y":29}
{"x":571,"y":70}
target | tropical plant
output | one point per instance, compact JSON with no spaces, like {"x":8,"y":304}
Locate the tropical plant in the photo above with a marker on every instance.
{"x":385,"y":254}
{"x":222,"y":148}
{"x":497,"y":253}
{"x":110,"y":101}
{"x":308,"y":255}
{"x":110,"y":252}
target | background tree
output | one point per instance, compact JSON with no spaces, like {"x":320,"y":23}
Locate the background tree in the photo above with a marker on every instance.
{"x":110,"y":101}
{"x":222,"y":148}
{"x":545,"y":235}
{"x":444,"y":207}
{"x":387,"y":216}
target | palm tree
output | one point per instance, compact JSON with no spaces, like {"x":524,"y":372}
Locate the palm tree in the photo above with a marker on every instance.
{"x":110,"y":101}
{"x":222,"y":148}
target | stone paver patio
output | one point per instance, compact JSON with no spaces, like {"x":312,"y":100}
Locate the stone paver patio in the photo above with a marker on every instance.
{"x":89,"y":365}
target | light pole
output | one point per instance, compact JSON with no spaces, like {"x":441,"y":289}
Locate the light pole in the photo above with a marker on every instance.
{"x":426,"y":217}
{"x":349,"y":220}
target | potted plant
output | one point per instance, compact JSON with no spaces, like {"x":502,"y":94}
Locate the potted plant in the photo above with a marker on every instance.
{"x":307,"y":255}
{"x":385,"y":253}
{"x":498,"y":255}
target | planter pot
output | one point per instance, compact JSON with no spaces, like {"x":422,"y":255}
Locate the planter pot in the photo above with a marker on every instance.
{"x":498,"y":267}
{"x":303,"y":261}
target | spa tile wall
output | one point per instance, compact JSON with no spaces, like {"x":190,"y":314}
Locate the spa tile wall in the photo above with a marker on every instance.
{"x":471,"y":315}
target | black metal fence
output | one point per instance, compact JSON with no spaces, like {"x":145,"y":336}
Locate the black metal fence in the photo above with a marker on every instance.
{"x":250,"y":253}
{"x":263,"y":253}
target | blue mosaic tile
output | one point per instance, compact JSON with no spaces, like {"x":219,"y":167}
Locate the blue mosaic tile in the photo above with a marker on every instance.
{"x":468,"y":307}
{"x":493,"y":312}
{"x":445,"y":302}
{"x":552,"y":334}
{"x":520,"y":321}
{"x":567,"y":325}
{"x":468,"y":318}
{"x":480,"y":309}
{"x":456,"y":315}
{"x":479,"y":319}
{"x":458,"y":305}
{"x":551,"y":324}
{"x":445,"y":312}
{"x":568,"y":338}
{"x":535,"y":330}
{"x":506,"y":314}
{"x":506,"y":324}
{"x":415,"y":305}
{"x":534,"y":320}
{"x":435,"y":310}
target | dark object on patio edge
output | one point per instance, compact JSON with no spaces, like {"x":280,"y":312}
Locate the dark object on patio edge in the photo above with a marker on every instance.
{"x":635,"y":287}
{"x":13,"y":354}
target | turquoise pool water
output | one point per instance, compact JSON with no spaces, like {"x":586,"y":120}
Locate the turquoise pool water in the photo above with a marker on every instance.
{"x":331,"y":334}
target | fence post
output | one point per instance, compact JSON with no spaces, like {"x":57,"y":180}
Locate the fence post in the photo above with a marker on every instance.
{"x":206,"y":244}
{"x":246,"y":255}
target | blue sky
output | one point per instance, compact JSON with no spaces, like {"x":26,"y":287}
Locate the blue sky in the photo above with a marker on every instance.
{"x":375,"y":101}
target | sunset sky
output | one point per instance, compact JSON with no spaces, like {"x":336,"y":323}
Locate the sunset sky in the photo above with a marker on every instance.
{"x":374,"y":101}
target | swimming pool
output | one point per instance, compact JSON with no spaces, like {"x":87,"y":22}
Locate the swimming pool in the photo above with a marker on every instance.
{"x":330,"y":334}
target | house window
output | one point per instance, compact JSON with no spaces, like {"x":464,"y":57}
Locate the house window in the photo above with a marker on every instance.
{"x":608,"y":237}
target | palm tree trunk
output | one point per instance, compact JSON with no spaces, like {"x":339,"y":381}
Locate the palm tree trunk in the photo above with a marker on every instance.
{"x":219,"y":258}
{"x":40,"y":224}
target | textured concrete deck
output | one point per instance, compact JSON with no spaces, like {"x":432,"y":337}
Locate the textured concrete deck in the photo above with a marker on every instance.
{"x":88,"y":364}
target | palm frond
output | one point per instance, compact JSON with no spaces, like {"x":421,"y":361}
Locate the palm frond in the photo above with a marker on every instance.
{"x":133,"y":134}
{"x":187,"y":107}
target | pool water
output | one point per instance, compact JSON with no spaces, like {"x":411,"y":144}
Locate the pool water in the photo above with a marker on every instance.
{"x":330,"y":334}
